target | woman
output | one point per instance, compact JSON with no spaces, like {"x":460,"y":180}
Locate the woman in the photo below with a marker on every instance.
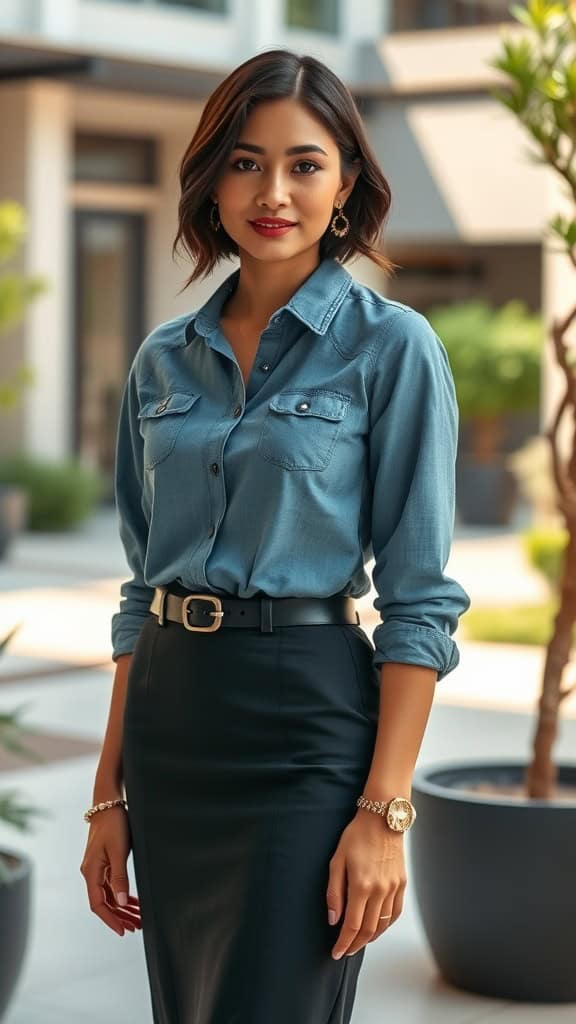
{"x":269,"y":443}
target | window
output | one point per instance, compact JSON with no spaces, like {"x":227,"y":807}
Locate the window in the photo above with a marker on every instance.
{"x":114,"y":158}
{"x":318,"y":15}
{"x":425,"y":14}
{"x":210,"y":6}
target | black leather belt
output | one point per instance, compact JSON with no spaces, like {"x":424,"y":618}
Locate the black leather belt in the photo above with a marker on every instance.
{"x":208,"y":612}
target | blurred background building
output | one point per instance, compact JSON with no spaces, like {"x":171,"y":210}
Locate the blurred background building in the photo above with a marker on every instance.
{"x":98,"y":101}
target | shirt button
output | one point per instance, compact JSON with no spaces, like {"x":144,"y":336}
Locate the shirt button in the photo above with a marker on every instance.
{"x":211,"y":531}
{"x":162,"y":406}
{"x":215,"y":468}
{"x":302,"y":406}
{"x":265,"y":367}
{"x":237,"y":410}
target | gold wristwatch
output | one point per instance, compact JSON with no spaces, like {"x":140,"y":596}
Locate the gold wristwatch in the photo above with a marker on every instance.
{"x":399,"y":812}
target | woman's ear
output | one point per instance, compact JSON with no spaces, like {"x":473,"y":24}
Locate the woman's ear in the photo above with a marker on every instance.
{"x":348,"y":182}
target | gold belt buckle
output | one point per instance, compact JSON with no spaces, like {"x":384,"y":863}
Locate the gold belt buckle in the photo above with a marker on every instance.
{"x":217,"y":613}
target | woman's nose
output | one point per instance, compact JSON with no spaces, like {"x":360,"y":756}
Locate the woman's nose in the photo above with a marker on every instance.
{"x":274,"y":191}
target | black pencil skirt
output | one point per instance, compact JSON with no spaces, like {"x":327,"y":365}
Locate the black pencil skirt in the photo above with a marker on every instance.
{"x":243,"y":755}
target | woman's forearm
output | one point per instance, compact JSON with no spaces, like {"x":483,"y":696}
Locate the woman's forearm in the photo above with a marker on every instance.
{"x":108,"y":783}
{"x":406,"y":695}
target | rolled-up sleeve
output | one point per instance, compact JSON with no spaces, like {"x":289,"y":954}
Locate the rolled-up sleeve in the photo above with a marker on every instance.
{"x":133,"y":525}
{"x":412,"y":454}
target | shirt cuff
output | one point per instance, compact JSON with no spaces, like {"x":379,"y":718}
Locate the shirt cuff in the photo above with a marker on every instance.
{"x":125,"y":628}
{"x":408,"y":643}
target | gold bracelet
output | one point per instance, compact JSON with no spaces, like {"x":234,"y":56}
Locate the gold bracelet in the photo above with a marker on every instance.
{"x":377,"y":806}
{"x":102,"y":807}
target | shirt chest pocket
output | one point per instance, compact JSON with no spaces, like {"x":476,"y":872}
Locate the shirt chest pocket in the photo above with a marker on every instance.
{"x":301,"y":427}
{"x":161,"y":422}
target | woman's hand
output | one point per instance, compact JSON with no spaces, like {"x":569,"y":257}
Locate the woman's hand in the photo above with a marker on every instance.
{"x":104,"y":870}
{"x":367,"y":874}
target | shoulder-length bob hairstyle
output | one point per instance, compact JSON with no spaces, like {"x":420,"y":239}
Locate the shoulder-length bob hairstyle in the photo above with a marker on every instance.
{"x":271,"y":75}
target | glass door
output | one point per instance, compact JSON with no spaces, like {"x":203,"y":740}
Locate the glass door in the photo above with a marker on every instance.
{"x":108,"y":318}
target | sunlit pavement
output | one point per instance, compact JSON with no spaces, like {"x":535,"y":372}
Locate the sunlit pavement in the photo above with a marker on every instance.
{"x":63,"y":590}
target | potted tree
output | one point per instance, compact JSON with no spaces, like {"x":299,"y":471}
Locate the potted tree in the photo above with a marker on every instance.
{"x":15,"y":866}
{"x":493,"y":856}
{"x":15,"y":294}
{"x":495,"y":355}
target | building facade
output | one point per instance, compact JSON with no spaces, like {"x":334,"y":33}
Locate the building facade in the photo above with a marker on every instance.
{"x":98,"y":101}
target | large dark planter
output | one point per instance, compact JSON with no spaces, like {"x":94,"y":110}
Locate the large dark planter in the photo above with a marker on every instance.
{"x":495,"y":881}
{"x":15,"y":900}
{"x":486,"y":492}
{"x":14,"y":505}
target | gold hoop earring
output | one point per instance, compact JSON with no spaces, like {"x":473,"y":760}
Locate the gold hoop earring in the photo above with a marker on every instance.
{"x":340,"y":216}
{"x":214,"y":226}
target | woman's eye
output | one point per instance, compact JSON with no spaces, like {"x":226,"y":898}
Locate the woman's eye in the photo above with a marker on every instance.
{"x":310,"y":164}
{"x":243,"y":160}
{"x":246,"y":160}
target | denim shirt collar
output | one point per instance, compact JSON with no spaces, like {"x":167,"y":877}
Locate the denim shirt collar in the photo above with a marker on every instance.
{"x":315,"y":303}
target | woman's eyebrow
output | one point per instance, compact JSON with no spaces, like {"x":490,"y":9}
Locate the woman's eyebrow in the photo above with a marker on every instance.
{"x":293,"y":149}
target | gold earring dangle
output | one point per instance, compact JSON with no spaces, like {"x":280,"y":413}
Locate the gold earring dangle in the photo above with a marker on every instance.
{"x":340,"y":216}
{"x":214,"y":210}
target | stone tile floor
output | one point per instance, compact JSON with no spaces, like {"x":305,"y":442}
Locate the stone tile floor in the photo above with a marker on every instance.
{"x":77,"y":971}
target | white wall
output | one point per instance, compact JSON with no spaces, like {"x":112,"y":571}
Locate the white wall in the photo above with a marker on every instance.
{"x":167,"y":276}
{"x":457,"y":170}
{"x":442,"y":57}
{"x":50,"y":341}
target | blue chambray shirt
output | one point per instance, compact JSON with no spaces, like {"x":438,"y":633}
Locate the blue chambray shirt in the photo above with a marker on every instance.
{"x":341,"y":449}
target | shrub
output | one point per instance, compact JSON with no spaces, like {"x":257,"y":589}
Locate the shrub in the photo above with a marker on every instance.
{"x":60,"y":495}
{"x":512,"y":624}
{"x":544,"y":547}
{"x":11,"y":732}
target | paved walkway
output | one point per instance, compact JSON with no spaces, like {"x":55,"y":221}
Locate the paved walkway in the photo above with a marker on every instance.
{"x":63,"y":589}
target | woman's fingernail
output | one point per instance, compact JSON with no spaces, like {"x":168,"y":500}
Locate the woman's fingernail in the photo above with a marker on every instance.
{"x":122,"y":898}
{"x":332,"y":917}
{"x":337,"y":955}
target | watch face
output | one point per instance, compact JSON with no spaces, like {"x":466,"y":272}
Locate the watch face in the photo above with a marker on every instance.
{"x":400,"y":814}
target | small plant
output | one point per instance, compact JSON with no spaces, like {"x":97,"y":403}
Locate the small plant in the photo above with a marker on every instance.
{"x":16,"y":292}
{"x":11,"y":732}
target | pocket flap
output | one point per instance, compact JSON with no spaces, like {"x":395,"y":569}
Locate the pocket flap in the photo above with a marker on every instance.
{"x":330,"y":405}
{"x":175,"y":401}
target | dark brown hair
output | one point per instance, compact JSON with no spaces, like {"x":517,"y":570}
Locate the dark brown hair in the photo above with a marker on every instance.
{"x":271,"y":75}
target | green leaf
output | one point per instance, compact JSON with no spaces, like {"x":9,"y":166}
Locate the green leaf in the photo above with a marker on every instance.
{"x":570,"y":79}
{"x":553,"y":88}
{"x":13,"y":227}
{"x":545,"y":15}
{"x":6,"y":640}
{"x":564,"y":229}
{"x":521,"y":14}
{"x":17,"y":814}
